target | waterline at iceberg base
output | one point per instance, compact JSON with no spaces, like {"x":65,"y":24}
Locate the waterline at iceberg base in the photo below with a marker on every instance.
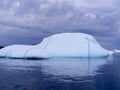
{"x":58,"y":45}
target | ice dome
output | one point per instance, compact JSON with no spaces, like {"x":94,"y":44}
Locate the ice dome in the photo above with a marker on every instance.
{"x":58,"y":45}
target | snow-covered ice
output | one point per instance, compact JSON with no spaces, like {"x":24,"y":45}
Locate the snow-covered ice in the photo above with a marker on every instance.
{"x":58,"y":45}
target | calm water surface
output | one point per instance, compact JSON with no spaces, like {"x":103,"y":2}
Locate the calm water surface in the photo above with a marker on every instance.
{"x":60,"y":74}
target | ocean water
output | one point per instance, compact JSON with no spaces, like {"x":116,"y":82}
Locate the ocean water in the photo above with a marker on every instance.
{"x":60,"y":74}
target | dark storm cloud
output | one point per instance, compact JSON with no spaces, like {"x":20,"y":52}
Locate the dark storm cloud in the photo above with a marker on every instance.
{"x":28,"y":21}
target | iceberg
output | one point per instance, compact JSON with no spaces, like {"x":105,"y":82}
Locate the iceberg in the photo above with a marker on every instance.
{"x":58,"y":45}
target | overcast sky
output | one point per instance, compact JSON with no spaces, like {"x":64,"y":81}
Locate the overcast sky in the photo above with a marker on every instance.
{"x":29,"y":21}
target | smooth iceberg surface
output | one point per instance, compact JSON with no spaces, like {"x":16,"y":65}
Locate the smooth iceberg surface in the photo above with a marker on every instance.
{"x":58,"y":45}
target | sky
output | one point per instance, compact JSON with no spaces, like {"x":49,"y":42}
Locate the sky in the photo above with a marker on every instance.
{"x":29,"y":21}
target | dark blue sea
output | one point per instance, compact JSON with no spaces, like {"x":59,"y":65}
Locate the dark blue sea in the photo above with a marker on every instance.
{"x":60,"y":74}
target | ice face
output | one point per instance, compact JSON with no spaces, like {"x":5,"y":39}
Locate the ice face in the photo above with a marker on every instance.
{"x":59,"y":45}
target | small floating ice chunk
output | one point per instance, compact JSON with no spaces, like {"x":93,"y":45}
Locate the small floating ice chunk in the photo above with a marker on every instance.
{"x":117,"y":51}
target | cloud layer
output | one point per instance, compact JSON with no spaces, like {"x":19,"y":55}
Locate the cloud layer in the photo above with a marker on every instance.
{"x":28,"y":21}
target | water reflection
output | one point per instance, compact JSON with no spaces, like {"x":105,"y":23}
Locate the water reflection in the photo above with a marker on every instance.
{"x":72,"y":67}
{"x":60,"y":74}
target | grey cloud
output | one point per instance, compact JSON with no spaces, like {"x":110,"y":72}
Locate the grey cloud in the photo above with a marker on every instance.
{"x":33,"y":20}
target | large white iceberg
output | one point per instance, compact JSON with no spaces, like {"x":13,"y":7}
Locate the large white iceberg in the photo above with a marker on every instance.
{"x":59,"y":45}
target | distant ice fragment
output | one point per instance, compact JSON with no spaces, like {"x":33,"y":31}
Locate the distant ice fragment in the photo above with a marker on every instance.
{"x":117,"y":51}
